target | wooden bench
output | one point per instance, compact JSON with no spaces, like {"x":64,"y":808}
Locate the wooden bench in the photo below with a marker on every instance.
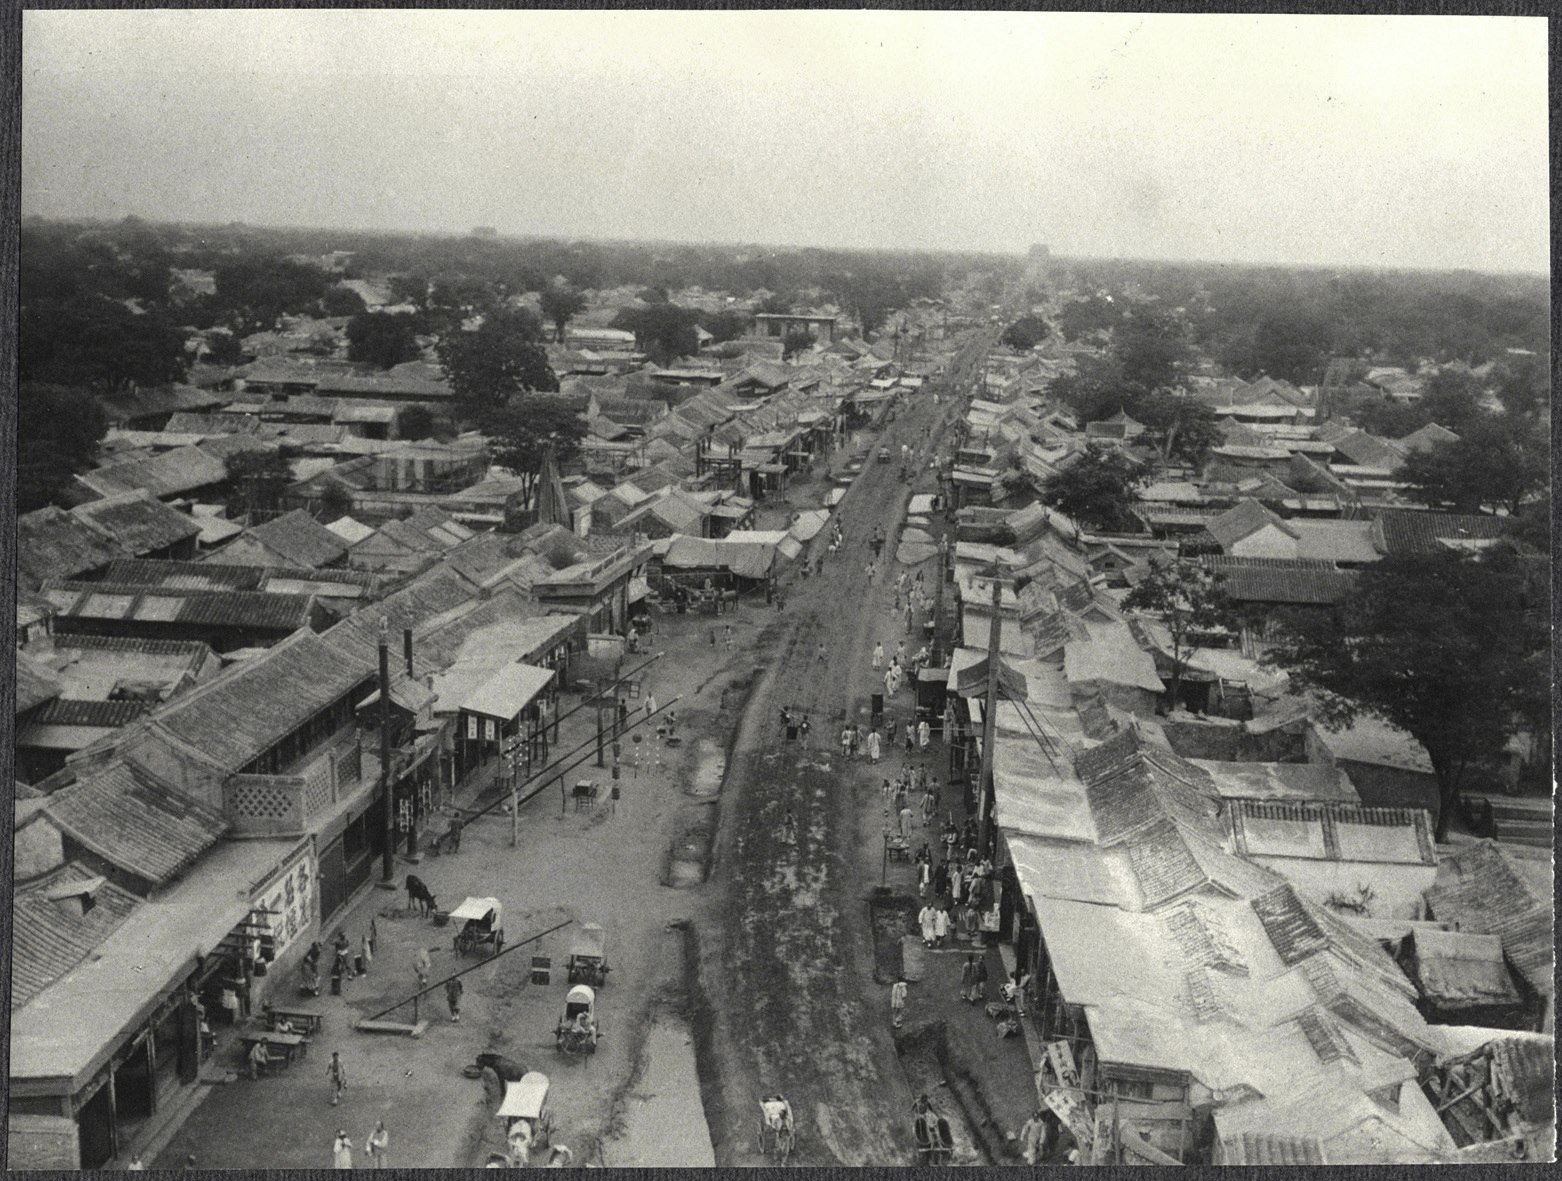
{"x":303,"y":1020}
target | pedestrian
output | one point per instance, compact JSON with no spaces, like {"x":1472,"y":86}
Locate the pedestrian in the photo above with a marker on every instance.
{"x":940,"y":925}
{"x":259,"y":1055}
{"x":377,"y":1142}
{"x":927,"y":919}
{"x":650,"y":704}
{"x":900,"y":652}
{"x":911,"y":739}
{"x":889,"y":682}
{"x":884,"y":793}
{"x":342,"y":1151}
{"x":956,"y":883}
{"x":873,"y":746}
{"x":979,"y":985}
{"x":878,"y":656}
{"x":1033,"y":1136}
{"x":929,"y":807}
{"x":729,"y":637}
{"x":924,"y":733}
{"x":453,"y":990}
{"x":924,"y":878}
{"x":897,"y":1003}
{"x":967,"y":978}
{"x":423,"y":966}
{"x":366,"y":952}
{"x":941,"y":880}
{"x":374,"y":934}
{"x":846,"y":741}
{"x":337,"y":1073}
{"x":900,"y":797}
{"x":803,"y":729}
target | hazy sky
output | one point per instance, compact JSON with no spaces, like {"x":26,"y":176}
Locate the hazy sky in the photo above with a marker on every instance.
{"x":1416,"y":141}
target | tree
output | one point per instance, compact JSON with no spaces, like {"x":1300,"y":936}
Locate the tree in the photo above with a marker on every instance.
{"x":1443,"y":646}
{"x":382,"y":338}
{"x":342,"y":301}
{"x":223,"y":348}
{"x":1292,"y":344}
{"x":520,"y":435}
{"x":561,"y":304}
{"x":796,"y":340}
{"x":774,"y":305}
{"x":1523,"y":385}
{"x":99,"y":343}
{"x":663,"y":331}
{"x":1151,"y":350}
{"x":1452,"y":398}
{"x":502,"y":357}
{"x":725,"y":326}
{"x":259,"y":479}
{"x":1187,"y":428}
{"x":1497,"y":461}
{"x":58,"y":431}
{"x":411,"y":289}
{"x":336,"y":501}
{"x":257,"y":290}
{"x":1094,"y":390}
{"x":1026,"y":333}
{"x":1187,"y":598}
{"x":1097,"y":489}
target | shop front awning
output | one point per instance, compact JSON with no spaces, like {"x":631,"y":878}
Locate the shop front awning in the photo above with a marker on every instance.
{"x":507,"y":692}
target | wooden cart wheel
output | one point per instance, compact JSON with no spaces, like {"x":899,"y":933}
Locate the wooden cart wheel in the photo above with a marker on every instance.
{"x":498,"y":942}
{"x":493,"y":1086}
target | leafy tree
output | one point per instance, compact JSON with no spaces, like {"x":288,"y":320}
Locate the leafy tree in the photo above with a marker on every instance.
{"x":1187,"y":428}
{"x":1095,"y":313}
{"x":725,"y":326}
{"x":257,"y":290}
{"x":1094,"y":391}
{"x":774,"y":305}
{"x":1187,"y":598}
{"x":520,"y":435}
{"x":1523,"y":385}
{"x":223,"y":348}
{"x":663,"y":331}
{"x":796,"y":340}
{"x":1443,"y":646}
{"x":95,"y":342}
{"x":58,"y":431}
{"x":1452,"y":398}
{"x":1151,"y":350}
{"x":411,"y":289}
{"x":1026,"y":333}
{"x":561,"y":304}
{"x":336,"y":501}
{"x":382,"y":338}
{"x":414,"y":422}
{"x":1097,"y":489}
{"x":259,"y":479}
{"x":502,"y":357}
{"x":342,"y":301}
{"x":1498,"y":460}
{"x":1292,"y":344}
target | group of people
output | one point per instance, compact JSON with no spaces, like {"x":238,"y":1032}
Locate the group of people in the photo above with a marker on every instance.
{"x":376,"y":1142}
{"x":343,"y":965}
{"x":957,"y":892}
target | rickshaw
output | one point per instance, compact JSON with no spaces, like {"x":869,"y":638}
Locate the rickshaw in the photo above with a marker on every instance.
{"x":528,"y":1122}
{"x":587,"y":958}
{"x":777,"y":1129}
{"x":577,"y":1031}
{"x":935,"y":1139}
{"x":482,"y":925}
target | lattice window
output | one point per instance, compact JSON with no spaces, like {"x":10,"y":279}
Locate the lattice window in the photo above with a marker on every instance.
{"x":260,"y":800}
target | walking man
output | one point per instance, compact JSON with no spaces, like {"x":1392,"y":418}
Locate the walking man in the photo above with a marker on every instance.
{"x":873,"y":746}
{"x":968,"y":978}
{"x":377,"y":1142}
{"x":650,"y":704}
{"x":924,"y":733}
{"x":878,"y":656}
{"x":897,"y":1003}
{"x":453,"y":990}
{"x":342,"y":1151}
{"x":423,"y":966}
{"x":337,"y":1073}
{"x":803,"y":728}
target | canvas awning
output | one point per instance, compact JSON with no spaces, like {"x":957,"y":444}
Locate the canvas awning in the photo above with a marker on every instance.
{"x":509,"y":691}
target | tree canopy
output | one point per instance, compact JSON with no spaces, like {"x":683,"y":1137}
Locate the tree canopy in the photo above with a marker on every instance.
{"x":1026,"y":333}
{"x":259,"y":479}
{"x":663,"y":331}
{"x":1186,"y":428}
{"x":1498,"y":460}
{"x":60,"y":429}
{"x":520,"y":435}
{"x":1186,"y":597}
{"x":1097,"y":489}
{"x":99,"y":343}
{"x":560,"y":304}
{"x":383,"y":339}
{"x":1445,"y":646}
{"x":500,"y":358}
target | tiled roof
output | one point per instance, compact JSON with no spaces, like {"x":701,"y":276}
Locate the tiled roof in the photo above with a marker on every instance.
{"x":1290,"y":927}
{"x":35,"y":684}
{"x":1455,"y":968}
{"x":148,"y":401}
{"x":1324,"y":1036}
{"x":1528,"y":1070}
{"x":254,"y":704}
{"x":1366,"y":450}
{"x":52,"y":543}
{"x":1261,"y":1148}
{"x":166,"y":474}
{"x":1243,"y":520}
{"x":1426,"y":438}
{"x":1479,"y":891}
{"x":208,"y":575}
{"x":140,"y":824}
{"x":105,"y":714}
{"x":48,"y":939}
{"x":138,"y":523}
{"x":1163,"y":865}
{"x":189,"y":422}
{"x":145,"y":604}
{"x":1281,"y":580}
{"x":1406,"y":531}
{"x":299,"y":540}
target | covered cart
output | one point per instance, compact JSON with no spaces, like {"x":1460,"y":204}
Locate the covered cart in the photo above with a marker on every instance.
{"x":482,"y":926}
{"x":577,"y":1031}
{"x":588,"y":957}
{"x":528,"y":1122}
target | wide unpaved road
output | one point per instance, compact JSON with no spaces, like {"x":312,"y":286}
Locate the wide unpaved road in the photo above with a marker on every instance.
{"x":786,"y":963}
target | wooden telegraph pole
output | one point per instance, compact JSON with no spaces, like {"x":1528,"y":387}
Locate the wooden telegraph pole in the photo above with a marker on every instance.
{"x":986,"y":798}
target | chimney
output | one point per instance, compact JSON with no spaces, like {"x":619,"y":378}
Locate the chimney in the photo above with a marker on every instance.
{"x":406,"y":648}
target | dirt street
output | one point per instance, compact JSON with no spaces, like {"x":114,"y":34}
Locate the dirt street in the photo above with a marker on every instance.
{"x":788,"y":966}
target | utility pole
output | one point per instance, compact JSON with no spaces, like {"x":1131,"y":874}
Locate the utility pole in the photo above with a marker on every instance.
{"x":989,"y":725}
{"x":386,"y":868}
